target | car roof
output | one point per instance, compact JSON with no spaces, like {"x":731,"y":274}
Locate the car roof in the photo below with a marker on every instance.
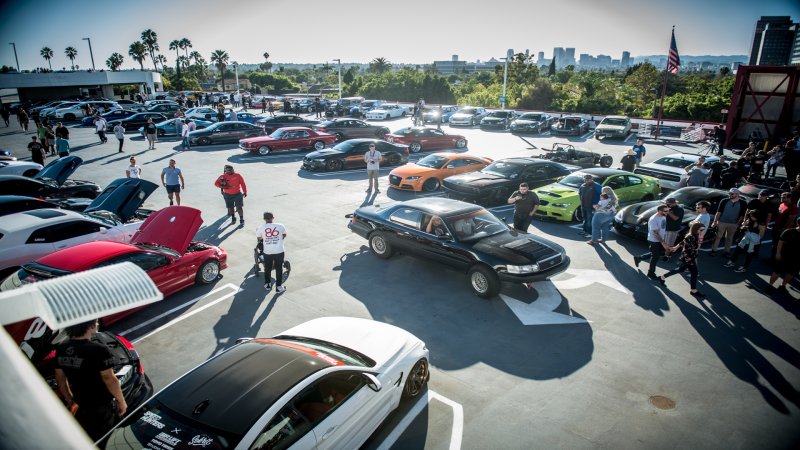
{"x":616,"y":117}
{"x":28,"y":220}
{"x":690,"y":157}
{"x":240,"y":384}
{"x":85,"y":256}
{"x":603,"y":172}
{"x":296,"y":129}
{"x":440,"y":206}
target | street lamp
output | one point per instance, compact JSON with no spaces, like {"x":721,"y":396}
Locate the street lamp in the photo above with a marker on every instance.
{"x":15,"y":54}
{"x":339,"y":61}
{"x":91,"y":55}
{"x":236,"y":73}
{"x":509,"y":55}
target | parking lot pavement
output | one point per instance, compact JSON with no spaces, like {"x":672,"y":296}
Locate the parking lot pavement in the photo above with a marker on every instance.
{"x":631,"y":364}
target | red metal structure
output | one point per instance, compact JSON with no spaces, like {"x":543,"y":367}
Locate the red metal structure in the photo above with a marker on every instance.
{"x":764,"y":98}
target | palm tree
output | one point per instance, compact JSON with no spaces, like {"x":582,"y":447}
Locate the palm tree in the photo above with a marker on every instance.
{"x":138,"y":51}
{"x":175,"y":45}
{"x":150,"y":39}
{"x":183,"y":61}
{"x":71,"y":53}
{"x":114,"y":61}
{"x":47,"y":54}
{"x":220,"y":59}
{"x":185,"y":44}
{"x":161,"y":60}
{"x":380,"y":65}
{"x":198,"y":58}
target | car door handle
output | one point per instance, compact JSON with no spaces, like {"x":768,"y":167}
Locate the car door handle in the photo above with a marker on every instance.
{"x":329,"y":432}
{"x":61,"y":246}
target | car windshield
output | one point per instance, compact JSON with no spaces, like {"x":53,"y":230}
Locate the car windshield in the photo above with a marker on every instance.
{"x":673,"y":162}
{"x":345,"y":146}
{"x":615,"y":122}
{"x":156,"y":426}
{"x":475,"y":225}
{"x":432,"y":161}
{"x":468,"y":111}
{"x":576,"y":180}
{"x":504,"y":169}
{"x":367,"y":103}
{"x":501,"y":114}
{"x":404,"y":131}
{"x":279,"y":133}
{"x":531,"y":116}
{"x":341,"y":353}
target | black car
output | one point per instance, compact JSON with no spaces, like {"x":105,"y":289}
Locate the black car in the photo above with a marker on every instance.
{"x":471,"y":240}
{"x":225,"y":132}
{"x":10,"y":204}
{"x":137,"y":120}
{"x":496,"y":182}
{"x":498,"y":120}
{"x":50,"y":182}
{"x":164,"y":108}
{"x":350,"y":154}
{"x":271,"y":124}
{"x":570,"y":125}
{"x":351,"y":128}
{"x":532,"y":122}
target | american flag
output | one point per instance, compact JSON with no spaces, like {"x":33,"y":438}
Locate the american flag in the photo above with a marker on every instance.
{"x":673,"y":60}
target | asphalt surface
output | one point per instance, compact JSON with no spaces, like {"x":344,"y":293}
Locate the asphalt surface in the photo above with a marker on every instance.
{"x":609,"y":359}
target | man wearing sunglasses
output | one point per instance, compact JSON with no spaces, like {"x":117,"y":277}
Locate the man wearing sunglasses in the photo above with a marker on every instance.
{"x":656,"y":239}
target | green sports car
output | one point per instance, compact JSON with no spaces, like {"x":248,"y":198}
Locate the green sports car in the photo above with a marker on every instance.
{"x":559,"y":201}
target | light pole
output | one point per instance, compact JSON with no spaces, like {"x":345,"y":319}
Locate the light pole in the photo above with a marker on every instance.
{"x":236,"y":73}
{"x":339,"y":61}
{"x":509,"y":55}
{"x":15,"y":54}
{"x":91,"y":55}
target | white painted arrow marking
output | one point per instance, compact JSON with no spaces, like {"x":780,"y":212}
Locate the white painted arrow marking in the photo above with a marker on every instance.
{"x":541,"y":311}
{"x":585,"y":277}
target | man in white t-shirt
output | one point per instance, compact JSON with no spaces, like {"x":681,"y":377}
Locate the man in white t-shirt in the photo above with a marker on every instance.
{"x":373,"y":160}
{"x":271,"y":237}
{"x":703,"y":217}
{"x":133,"y":171}
{"x":100,"y":125}
{"x":185,"y":130}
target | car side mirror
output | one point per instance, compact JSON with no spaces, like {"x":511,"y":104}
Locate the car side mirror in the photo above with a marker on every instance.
{"x":372,"y":382}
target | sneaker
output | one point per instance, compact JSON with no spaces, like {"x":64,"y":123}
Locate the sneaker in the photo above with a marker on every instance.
{"x":740,"y":269}
{"x":280,"y":289}
{"x":728,"y":264}
{"x":268,"y":286}
{"x":233,"y":219}
{"x":636,"y":261}
{"x":368,"y":190}
{"x":697,"y":294}
{"x":377,"y":191}
{"x":241,"y":221}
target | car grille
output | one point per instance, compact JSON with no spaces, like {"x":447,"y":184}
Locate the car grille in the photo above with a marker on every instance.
{"x":394,"y":180}
{"x":461,"y":189}
{"x":658,"y":174}
{"x":552,"y":261}
{"x":543,"y":202}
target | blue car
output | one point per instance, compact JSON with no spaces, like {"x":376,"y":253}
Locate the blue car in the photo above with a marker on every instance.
{"x":114,"y":114}
{"x":244,"y":117}
{"x":169,"y":128}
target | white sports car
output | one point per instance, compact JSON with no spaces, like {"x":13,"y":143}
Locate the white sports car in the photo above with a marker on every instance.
{"x":24,"y":168}
{"x":386,"y":111}
{"x":29,"y":235}
{"x":325,"y":384}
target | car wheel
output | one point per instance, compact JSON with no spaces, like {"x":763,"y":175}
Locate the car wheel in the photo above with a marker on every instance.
{"x":380,"y":134}
{"x":417,"y":379}
{"x":461,"y":143}
{"x":432,"y":184}
{"x":577,"y":216}
{"x":473,"y":122}
{"x":264,"y":150}
{"x":310,"y":109}
{"x":208,"y":272}
{"x":415,"y":147}
{"x":319,"y":145}
{"x":484,"y":281}
{"x":160,"y":132}
{"x":647,"y":198}
{"x":334,"y":165}
{"x":204,"y":141}
{"x":606,"y":161}
{"x":339,"y":137}
{"x":30,"y":173}
{"x":69,"y":117}
{"x":287,"y":269}
{"x":380,"y":246}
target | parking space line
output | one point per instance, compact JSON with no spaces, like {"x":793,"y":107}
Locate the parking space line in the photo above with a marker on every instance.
{"x":502,"y":208}
{"x":330,"y":174}
{"x":586,"y":136}
{"x":630,"y":136}
{"x":230,"y":286}
{"x":456,"y":434}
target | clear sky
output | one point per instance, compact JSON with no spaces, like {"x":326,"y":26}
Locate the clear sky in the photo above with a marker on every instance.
{"x":408,"y":31}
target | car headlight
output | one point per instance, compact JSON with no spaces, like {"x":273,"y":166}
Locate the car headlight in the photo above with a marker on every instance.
{"x":561,"y":205}
{"x":618,"y":216}
{"x":518,"y":270}
{"x":413,"y":178}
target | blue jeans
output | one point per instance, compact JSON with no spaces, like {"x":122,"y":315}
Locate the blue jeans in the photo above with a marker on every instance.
{"x":587,"y":219}
{"x":601,"y":225}
{"x":186,"y":142}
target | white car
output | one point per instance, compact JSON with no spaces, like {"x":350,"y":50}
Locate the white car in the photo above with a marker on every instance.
{"x":131,"y":105}
{"x":468,"y":116}
{"x":325,"y":384}
{"x":78,"y":111}
{"x":29,"y":235}
{"x":24,"y":168}
{"x":386,"y":111}
{"x":671,"y":169}
{"x":49,"y":111}
{"x":201,"y":113}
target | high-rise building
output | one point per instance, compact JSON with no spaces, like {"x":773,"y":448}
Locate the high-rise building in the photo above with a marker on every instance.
{"x":540,"y":58}
{"x":795,"y":56}
{"x":560,"y":56}
{"x":626,"y":59}
{"x":772,"y":41}
{"x":570,"y":56}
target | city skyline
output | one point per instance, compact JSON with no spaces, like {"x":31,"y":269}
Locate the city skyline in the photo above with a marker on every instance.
{"x":361,"y":32}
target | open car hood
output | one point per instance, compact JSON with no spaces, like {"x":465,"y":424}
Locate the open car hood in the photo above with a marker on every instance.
{"x":123,"y":197}
{"x":60,"y":169}
{"x":173,"y":227}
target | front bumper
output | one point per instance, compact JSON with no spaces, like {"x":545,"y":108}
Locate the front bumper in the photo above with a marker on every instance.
{"x":537,"y":276}
{"x":404,"y":184}
{"x":313,"y":164}
{"x":547,"y":212}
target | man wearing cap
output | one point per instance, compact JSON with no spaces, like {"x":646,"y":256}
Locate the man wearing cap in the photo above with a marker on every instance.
{"x":271,"y":237}
{"x":727,"y":220}
{"x":589,"y":193}
{"x":233,"y":191}
{"x":628,"y":161}
{"x":674,"y":223}
{"x":787,"y":265}
{"x":525,"y":203}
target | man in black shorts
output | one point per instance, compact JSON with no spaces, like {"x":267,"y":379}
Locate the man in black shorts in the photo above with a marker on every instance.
{"x":233,"y":190}
{"x":172,"y":180}
{"x":787,"y":265}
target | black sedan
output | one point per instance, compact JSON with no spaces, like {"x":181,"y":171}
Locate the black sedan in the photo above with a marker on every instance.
{"x":496,"y":182}
{"x":137,"y":120}
{"x":570,"y":125}
{"x":498,"y":120}
{"x":469,"y":238}
{"x":350,"y":155}
{"x":270,"y":124}
{"x":350,"y":129}
{"x":50,"y":182}
{"x":164,"y":108}
{"x":632,"y":220}
{"x":532,"y":122}
{"x":225,"y":132}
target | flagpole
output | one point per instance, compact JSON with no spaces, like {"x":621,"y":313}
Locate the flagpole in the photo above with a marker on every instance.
{"x":663,"y":89}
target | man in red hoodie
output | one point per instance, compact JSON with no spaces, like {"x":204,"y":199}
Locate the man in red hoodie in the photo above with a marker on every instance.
{"x":233,"y":191}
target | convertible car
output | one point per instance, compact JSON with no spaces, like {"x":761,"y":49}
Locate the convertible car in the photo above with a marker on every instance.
{"x":570,"y":125}
{"x":581,"y":157}
{"x":469,"y":239}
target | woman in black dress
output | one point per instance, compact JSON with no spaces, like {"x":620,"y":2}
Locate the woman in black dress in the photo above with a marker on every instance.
{"x":689,"y":251}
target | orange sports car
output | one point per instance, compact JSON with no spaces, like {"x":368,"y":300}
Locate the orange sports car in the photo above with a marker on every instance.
{"x":427,"y":173}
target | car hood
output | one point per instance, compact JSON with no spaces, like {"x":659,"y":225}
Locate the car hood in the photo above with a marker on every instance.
{"x":462,"y":115}
{"x":517,"y":248}
{"x":173,"y":227}
{"x":411,"y":169}
{"x":323,"y":153}
{"x":477,"y":178}
{"x":556,"y":191}
{"x":495,"y":119}
{"x":642,"y":212}
{"x":526,"y":122}
{"x":381,"y":342}
{"x":123,"y":197}
{"x":258,"y":139}
{"x":60,"y":169}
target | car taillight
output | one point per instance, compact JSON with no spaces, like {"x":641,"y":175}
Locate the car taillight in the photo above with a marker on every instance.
{"x":353,"y":219}
{"x":131,"y":349}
